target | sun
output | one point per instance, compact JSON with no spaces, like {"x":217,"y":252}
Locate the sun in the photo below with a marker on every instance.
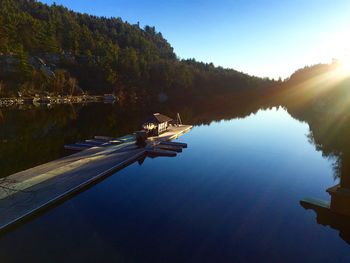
{"x":336,"y":45}
{"x":345,"y":65}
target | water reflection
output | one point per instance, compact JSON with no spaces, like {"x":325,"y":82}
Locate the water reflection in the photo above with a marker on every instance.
{"x":325,"y":107}
{"x":36,"y":135}
{"x":223,"y":200}
{"x":336,"y":212}
{"x":326,"y":217}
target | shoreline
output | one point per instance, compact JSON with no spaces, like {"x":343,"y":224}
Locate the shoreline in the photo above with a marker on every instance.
{"x":48,"y":100}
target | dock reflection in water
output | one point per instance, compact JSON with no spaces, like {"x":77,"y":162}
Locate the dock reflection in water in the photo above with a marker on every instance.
{"x":224,"y":200}
{"x":335,"y":213}
{"x":329,"y":123}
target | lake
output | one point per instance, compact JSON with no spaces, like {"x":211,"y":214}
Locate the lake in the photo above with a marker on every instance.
{"x":232,"y":196}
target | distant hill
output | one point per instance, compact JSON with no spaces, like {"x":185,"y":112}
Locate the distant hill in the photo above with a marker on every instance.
{"x":52,"y":49}
{"x":321,"y":87}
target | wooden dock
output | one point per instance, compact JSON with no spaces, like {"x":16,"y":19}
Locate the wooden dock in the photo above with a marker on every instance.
{"x":25,"y":193}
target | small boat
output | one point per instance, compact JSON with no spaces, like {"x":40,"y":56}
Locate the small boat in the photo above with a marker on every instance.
{"x":154,"y":152}
{"x":76,"y":147}
{"x":109,"y":98}
{"x":178,"y":144}
{"x":42,"y":100}
{"x":169,"y":148}
{"x":105,"y":138}
{"x":27,"y":100}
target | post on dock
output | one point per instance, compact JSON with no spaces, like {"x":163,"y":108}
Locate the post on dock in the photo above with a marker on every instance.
{"x":178,"y":119}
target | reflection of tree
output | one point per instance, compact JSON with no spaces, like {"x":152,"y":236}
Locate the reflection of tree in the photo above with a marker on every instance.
{"x":1,"y":116}
{"x":318,"y":96}
{"x":326,"y":217}
{"x":37,"y":135}
{"x":321,"y":97}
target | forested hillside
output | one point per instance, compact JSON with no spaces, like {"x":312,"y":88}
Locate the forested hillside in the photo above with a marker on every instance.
{"x":52,"y":49}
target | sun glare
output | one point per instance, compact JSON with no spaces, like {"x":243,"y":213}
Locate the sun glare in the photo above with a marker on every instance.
{"x":342,"y":67}
{"x":344,"y":64}
{"x":344,"y":54}
{"x":335,"y":45}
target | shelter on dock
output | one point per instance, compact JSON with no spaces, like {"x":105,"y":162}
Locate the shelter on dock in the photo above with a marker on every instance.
{"x":156,"y":124}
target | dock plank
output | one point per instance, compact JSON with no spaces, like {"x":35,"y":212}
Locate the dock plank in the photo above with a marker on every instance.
{"x":27,"y":192}
{"x":49,"y":187}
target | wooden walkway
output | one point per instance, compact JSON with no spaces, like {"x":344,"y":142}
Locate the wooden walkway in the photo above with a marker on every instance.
{"x":25,"y":193}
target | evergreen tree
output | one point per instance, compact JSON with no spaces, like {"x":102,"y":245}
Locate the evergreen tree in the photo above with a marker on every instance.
{"x":103,"y":54}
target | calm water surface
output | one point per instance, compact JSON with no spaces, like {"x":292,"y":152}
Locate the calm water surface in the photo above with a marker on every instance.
{"x":231,"y":196}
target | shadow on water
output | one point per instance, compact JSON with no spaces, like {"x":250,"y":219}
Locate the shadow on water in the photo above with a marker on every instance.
{"x":319,"y":97}
{"x":336,"y":212}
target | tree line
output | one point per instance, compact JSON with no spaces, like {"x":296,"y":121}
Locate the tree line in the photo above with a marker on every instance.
{"x":53,"y":49}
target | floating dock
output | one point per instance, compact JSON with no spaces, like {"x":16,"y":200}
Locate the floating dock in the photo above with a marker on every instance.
{"x":25,"y":193}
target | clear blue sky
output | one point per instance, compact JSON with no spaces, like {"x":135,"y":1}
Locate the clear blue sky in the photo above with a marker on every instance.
{"x":260,"y":37}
